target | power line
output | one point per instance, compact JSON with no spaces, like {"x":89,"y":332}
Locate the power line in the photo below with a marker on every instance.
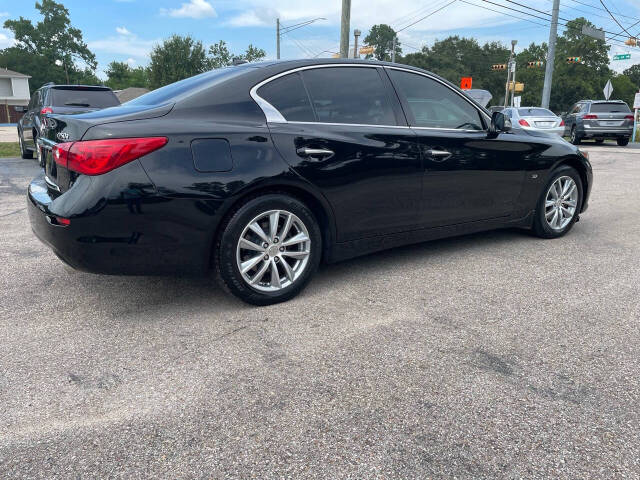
{"x":427,"y":16}
{"x":615,"y":19}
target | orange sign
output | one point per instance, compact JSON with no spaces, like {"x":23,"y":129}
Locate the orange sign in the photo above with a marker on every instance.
{"x":465,"y":83}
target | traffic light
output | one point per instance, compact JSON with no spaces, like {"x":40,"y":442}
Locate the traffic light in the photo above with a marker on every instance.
{"x":535,"y":64}
{"x":574,"y":59}
{"x":631,"y":41}
{"x":501,"y":66}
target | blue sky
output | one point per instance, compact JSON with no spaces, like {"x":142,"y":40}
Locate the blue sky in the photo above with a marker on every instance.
{"x":126,"y":30}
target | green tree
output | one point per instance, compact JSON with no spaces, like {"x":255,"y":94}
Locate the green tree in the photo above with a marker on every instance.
{"x":52,"y":39}
{"x":120,"y":75}
{"x":623,"y":89}
{"x":381,"y":38}
{"x":220,"y":56}
{"x":176,"y":58}
{"x":633,"y":72}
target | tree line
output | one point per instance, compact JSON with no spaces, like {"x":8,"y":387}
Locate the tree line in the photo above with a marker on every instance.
{"x":455,"y":57}
{"x":52,"y":50}
{"x":68,"y":59}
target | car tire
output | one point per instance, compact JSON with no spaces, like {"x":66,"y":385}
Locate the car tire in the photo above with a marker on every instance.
{"x":23,"y":152}
{"x":574,"y":137}
{"x":599,"y":140}
{"x":248,"y":273}
{"x":38,"y":152}
{"x":622,"y":141}
{"x":551,"y":218}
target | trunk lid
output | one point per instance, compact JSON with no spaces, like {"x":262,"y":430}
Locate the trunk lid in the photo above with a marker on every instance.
{"x":543,"y":122}
{"x":61,"y":128}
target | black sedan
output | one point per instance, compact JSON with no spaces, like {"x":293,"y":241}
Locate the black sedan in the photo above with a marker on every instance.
{"x":262,"y":171}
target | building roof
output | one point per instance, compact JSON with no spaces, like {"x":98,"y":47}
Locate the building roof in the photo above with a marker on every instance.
{"x":130,"y":93}
{"x":10,"y":73}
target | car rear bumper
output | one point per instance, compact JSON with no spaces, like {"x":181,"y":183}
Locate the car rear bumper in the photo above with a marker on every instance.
{"x":113,"y":241}
{"x":554,"y":130}
{"x":603,"y":132}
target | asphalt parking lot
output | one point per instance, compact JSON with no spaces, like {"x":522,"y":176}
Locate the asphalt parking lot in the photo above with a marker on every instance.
{"x":495,"y":355}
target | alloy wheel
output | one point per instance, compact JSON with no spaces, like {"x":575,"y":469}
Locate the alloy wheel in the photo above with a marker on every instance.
{"x":561,"y":202}
{"x":273,"y":250}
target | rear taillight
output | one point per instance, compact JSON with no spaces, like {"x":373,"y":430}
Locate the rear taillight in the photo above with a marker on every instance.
{"x":523,"y":122}
{"x":561,"y":123}
{"x":590,"y":116}
{"x":46,"y":110}
{"x":95,"y":157}
{"x":628,"y":117}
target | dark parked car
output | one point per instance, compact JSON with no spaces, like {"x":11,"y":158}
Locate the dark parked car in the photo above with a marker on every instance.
{"x":51,"y":98}
{"x":262,"y":171}
{"x":599,"y":119}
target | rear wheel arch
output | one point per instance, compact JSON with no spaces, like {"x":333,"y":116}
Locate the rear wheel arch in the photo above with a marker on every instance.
{"x":318,"y":206}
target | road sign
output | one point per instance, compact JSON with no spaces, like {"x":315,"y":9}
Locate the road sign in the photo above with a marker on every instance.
{"x":593,"y":32}
{"x":366,"y":50}
{"x":517,"y":101}
{"x":608,"y":90}
{"x":465,"y":83}
{"x":622,"y":56}
{"x":636,"y":101}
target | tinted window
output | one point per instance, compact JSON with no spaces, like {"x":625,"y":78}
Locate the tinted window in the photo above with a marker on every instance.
{"x":62,"y":97}
{"x":434,"y":105}
{"x":535,"y":112}
{"x":349,"y":95}
{"x":288,"y":96}
{"x":609,"y":107}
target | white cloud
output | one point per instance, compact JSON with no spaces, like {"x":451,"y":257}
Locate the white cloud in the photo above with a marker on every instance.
{"x":131,"y":62}
{"x":4,"y":14}
{"x":123,"y":31}
{"x":137,"y":49}
{"x":254,"y":18}
{"x":6,"y":41}
{"x":193,"y":9}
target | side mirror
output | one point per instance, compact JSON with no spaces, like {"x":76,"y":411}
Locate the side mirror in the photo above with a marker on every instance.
{"x":20,"y":108}
{"x":499,"y":123}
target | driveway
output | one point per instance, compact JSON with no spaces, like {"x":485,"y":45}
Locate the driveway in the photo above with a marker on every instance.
{"x":496,"y":355}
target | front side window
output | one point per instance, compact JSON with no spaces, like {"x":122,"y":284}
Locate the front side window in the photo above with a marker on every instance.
{"x":433,"y":105}
{"x":353,"y":95}
{"x":288,"y":96}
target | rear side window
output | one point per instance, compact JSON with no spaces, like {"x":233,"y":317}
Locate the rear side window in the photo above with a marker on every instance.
{"x":353,"y":95}
{"x":62,"y":97}
{"x":434,"y":105}
{"x":609,"y":107}
{"x":535,"y":112}
{"x":288,"y":96}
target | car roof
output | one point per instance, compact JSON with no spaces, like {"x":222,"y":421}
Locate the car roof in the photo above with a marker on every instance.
{"x":601,"y":101}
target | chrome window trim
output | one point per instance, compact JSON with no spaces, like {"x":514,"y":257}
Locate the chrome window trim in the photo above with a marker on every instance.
{"x":274,"y":116}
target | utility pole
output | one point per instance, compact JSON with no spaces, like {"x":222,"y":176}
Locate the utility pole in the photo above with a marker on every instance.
{"x":344,"y":28}
{"x":278,"y":38}
{"x":393,"y":50}
{"x":356,"y":34}
{"x":510,"y":67}
{"x":551,"y":55}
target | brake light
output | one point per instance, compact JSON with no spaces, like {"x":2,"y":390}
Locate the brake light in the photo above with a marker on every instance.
{"x":95,"y":157}
{"x":523,"y":122}
{"x":46,"y":110}
{"x":64,"y":222}
{"x":561,"y":123}
{"x":590,"y":116}
{"x":628,"y":117}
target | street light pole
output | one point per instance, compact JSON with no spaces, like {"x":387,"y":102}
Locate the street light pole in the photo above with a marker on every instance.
{"x":344,"y":28}
{"x":551,"y":55}
{"x":278,"y":38}
{"x":356,"y":34}
{"x":509,"y":67}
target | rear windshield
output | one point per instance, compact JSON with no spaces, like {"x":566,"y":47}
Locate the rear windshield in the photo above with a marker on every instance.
{"x":609,"y":107}
{"x":535,"y":112}
{"x":62,"y":97}
{"x":173,"y":91}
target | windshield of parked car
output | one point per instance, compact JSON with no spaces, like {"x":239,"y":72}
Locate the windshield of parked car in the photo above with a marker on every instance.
{"x":64,"y":97}
{"x":535,"y":112}
{"x":609,"y":107}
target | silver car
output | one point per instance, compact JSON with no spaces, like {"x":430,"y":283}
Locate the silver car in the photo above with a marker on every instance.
{"x":535,"y":118}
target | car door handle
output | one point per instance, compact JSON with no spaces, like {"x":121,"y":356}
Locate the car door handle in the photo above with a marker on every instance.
{"x":438,"y":155}
{"x":315,"y":152}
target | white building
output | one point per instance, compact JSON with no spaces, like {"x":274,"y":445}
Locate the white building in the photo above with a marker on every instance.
{"x":14,"y":90}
